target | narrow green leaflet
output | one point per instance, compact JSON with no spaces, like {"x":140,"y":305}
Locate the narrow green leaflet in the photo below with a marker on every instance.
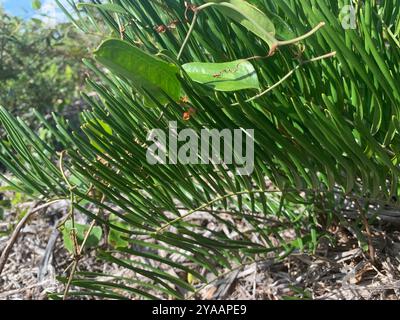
{"x":228,"y":76}
{"x":249,"y":17}
{"x":145,"y":71}
{"x":81,"y":230}
{"x":111,"y":7}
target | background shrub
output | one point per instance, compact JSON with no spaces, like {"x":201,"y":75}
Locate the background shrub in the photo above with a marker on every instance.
{"x":326,"y":139}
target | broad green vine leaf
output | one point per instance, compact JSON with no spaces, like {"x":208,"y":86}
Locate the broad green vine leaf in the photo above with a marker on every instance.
{"x":282,"y":30}
{"x":111,"y":7}
{"x":81,"y":230}
{"x":144,"y":70}
{"x":228,"y":76}
{"x":115,"y":237}
{"x":250,"y":17}
{"x":96,"y":122}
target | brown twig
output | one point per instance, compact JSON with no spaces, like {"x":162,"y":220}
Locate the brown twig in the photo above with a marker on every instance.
{"x":365,"y":222}
{"x":7,"y":294}
{"x":78,"y":249}
{"x":287,"y":76}
{"x":14,"y":237}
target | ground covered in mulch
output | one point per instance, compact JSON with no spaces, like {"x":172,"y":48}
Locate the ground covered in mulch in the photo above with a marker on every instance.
{"x":343,"y":272}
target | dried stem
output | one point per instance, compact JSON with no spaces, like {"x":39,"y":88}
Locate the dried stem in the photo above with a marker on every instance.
{"x":78,"y":253}
{"x":303,"y":37}
{"x":371,"y":249}
{"x":188,"y":35}
{"x":288,"y":75}
{"x":14,"y":237}
{"x":208,"y":204}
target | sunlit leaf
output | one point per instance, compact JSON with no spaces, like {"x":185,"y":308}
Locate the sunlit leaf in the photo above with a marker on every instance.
{"x":228,"y":76}
{"x":249,"y":17}
{"x":81,"y":230}
{"x":144,"y":70}
{"x":115,"y":237}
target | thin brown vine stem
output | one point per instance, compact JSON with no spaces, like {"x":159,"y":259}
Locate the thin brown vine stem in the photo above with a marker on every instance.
{"x":273,"y":48}
{"x":206,"y":205}
{"x":89,"y":231}
{"x":18,"y":228}
{"x":393,"y":36}
{"x":68,"y":267}
{"x":77,"y":258}
{"x":232,"y":194}
{"x":278,"y":43}
{"x":76,"y":247}
{"x":250,"y":214}
{"x":72,"y":198}
{"x":287,"y":76}
{"x":192,"y":25}
{"x":62,"y":223}
{"x":79,"y":250}
{"x":371,"y":249}
{"x":185,"y":42}
{"x":303,"y":37}
{"x":61,"y":167}
{"x":68,"y":286}
{"x":73,"y":230}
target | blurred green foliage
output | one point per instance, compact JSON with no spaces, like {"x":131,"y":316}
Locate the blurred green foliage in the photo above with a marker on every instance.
{"x":40,"y":65}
